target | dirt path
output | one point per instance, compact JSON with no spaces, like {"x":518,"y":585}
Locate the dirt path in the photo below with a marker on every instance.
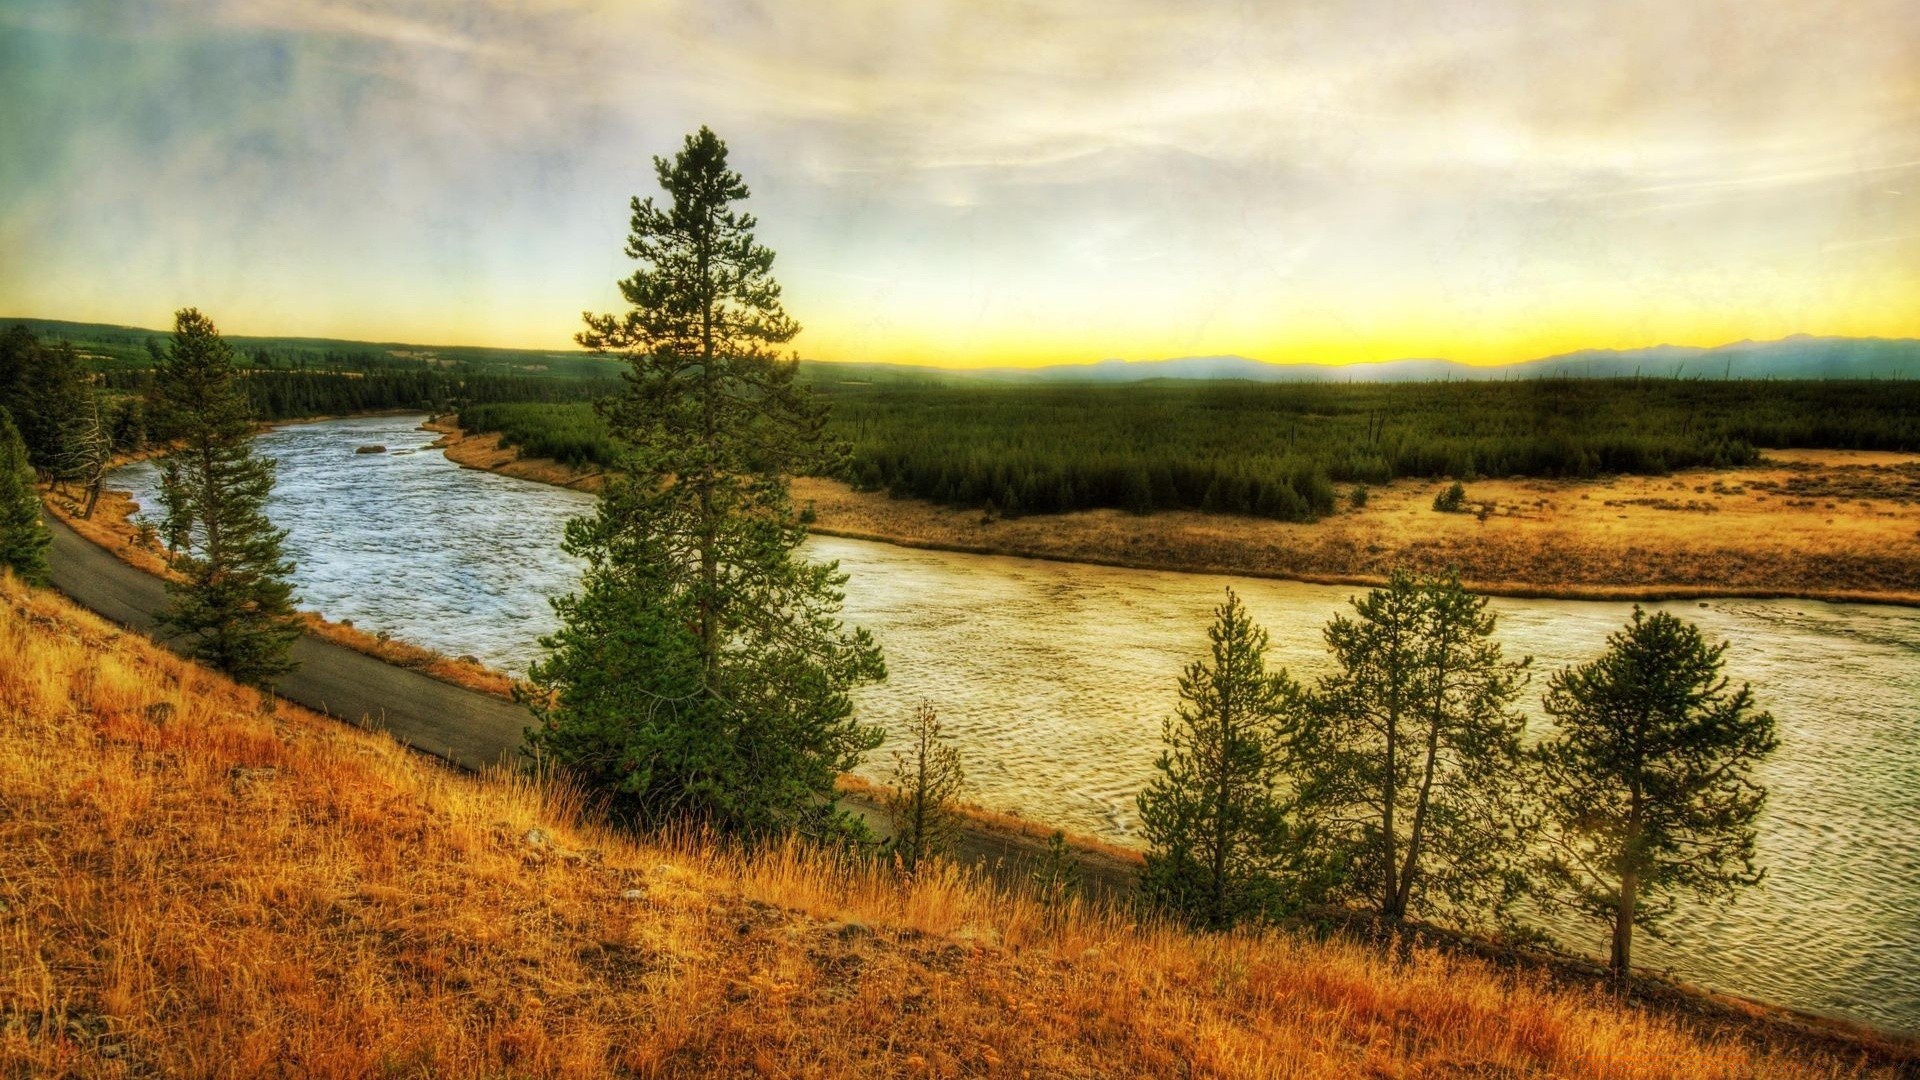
{"x":472,"y":730}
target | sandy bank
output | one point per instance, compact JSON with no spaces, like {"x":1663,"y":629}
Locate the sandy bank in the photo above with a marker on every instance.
{"x":1821,"y":525}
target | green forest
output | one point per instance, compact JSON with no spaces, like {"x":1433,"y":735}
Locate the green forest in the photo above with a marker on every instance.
{"x":1274,"y":450}
{"x":1279,"y":450}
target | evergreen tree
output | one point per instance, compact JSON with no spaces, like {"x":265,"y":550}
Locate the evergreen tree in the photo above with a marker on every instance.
{"x":927,"y":778}
{"x":23,"y":537}
{"x":1648,"y":780}
{"x":18,"y":347}
{"x":1216,"y":816}
{"x":231,"y":596}
{"x":1055,"y":876}
{"x":702,"y":671}
{"x":46,"y":389}
{"x":1416,"y":753}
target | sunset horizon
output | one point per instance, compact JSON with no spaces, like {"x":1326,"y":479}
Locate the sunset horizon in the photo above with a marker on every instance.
{"x":1011,"y":188}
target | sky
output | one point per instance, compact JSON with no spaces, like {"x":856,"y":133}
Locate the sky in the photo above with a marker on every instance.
{"x":983,"y":182}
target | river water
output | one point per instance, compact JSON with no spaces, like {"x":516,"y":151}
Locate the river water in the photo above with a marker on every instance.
{"x":1054,"y":678}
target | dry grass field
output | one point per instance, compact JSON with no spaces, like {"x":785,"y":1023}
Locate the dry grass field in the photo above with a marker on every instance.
{"x":1828,"y":525}
{"x":194,"y":883}
{"x":1842,"y":525}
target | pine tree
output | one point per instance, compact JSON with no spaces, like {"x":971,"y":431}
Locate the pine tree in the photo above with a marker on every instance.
{"x":702,"y":671}
{"x":23,"y":537}
{"x":1648,"y":780}
{"x":231,"y":597}
{"x":45,"y":386}
{"x":1216,"y":818}
{"x":927,"y":779}
{"x":1416,"y":753}
{"x":1055,"y":876}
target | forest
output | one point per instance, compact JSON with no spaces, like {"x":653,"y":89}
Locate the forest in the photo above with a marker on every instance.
{"x":1279,"y":450}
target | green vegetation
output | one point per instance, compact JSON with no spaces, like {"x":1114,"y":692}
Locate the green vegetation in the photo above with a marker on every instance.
{"x":1453,"y":500}
{"x":23,"y":538}
{"x":44,"y":387}
{"x":288,"y":395}
{"x":1398,"y":782}
{"x":1649,"y":779}
{"x":702,"y":673}
{"x":927,"y":780}
{"x":1414,"y":748}
{"x":573,"y":433}
{"x":1219,"y":826}
{"x":1277,"y":450}
{"x":231,"y":598}
{"x":51,"y":383}
{"x":127,"y":348}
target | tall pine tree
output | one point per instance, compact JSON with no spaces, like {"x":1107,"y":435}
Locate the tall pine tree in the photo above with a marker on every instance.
{"x":1648,"y":780}
{"x":702,"y":671}
{"x":231,"y":597}
{"x":1416,"y":753}
{"x":1222,"y":844}
{"x":23,"y":538}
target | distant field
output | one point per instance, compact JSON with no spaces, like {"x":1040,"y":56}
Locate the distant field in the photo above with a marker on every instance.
{"x":1280,"y":450}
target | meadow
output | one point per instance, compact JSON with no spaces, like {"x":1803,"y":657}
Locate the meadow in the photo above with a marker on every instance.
{"x":1285,"y":451}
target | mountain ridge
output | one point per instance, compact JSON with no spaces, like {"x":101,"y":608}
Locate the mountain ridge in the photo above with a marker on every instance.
{"x":1799,"y":356}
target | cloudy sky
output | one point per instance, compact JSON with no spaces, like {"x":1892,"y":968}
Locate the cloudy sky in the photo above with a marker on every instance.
{"x":983,"y":181}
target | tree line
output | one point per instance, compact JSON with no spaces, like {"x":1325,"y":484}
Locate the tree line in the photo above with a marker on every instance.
{"x":231,"y":602}
{"x":1400,"y":782}
{"x":1279,"y":450}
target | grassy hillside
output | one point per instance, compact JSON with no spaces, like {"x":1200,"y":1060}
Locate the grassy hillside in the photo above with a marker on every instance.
{"x":195,"y":884}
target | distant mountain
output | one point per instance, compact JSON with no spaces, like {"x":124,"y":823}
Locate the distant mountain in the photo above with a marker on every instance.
{"x":1797,"y":357}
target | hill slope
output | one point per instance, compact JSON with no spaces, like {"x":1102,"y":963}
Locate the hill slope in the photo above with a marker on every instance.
{"x":194,"y":884}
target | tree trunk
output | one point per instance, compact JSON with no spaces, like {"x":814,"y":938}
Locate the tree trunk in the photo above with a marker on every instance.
{"x":1222,"y":778}
{"x":1621,"y":962}
{"x":1389,"y":903}
{"x":709,"y":563}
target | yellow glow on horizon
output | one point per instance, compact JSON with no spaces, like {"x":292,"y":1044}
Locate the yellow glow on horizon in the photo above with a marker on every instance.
{"x":957,"y":185}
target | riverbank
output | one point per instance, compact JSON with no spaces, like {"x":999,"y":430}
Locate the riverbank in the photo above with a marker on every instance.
{"x":1818,"y":525}
{"x":1007,"y":845}
{"x":345,"y":493}
{"x":343,"y":906}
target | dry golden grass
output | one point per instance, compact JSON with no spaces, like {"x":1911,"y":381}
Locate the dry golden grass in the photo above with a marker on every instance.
{"x":484,"y":452}
{"x":193,"y":884}
{"x":1025,"y":831}
{"x":1837,"y":525}
{"x":468,"y":673}
{"x":1821,"y":525}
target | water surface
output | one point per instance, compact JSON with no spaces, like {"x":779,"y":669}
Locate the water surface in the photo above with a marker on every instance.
{"x":1054,"y":678}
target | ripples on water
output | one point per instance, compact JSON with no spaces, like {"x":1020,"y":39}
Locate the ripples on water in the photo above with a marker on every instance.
{"x":1054,"y":678}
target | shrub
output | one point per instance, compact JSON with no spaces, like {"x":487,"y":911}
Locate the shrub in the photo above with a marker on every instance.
{"x":1451,"y":501}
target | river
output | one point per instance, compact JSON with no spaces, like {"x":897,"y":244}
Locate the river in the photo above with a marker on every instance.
{"x":1054,"y":679}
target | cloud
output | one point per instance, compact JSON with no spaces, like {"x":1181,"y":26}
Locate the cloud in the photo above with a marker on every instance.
{"x":1110,"y":162}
